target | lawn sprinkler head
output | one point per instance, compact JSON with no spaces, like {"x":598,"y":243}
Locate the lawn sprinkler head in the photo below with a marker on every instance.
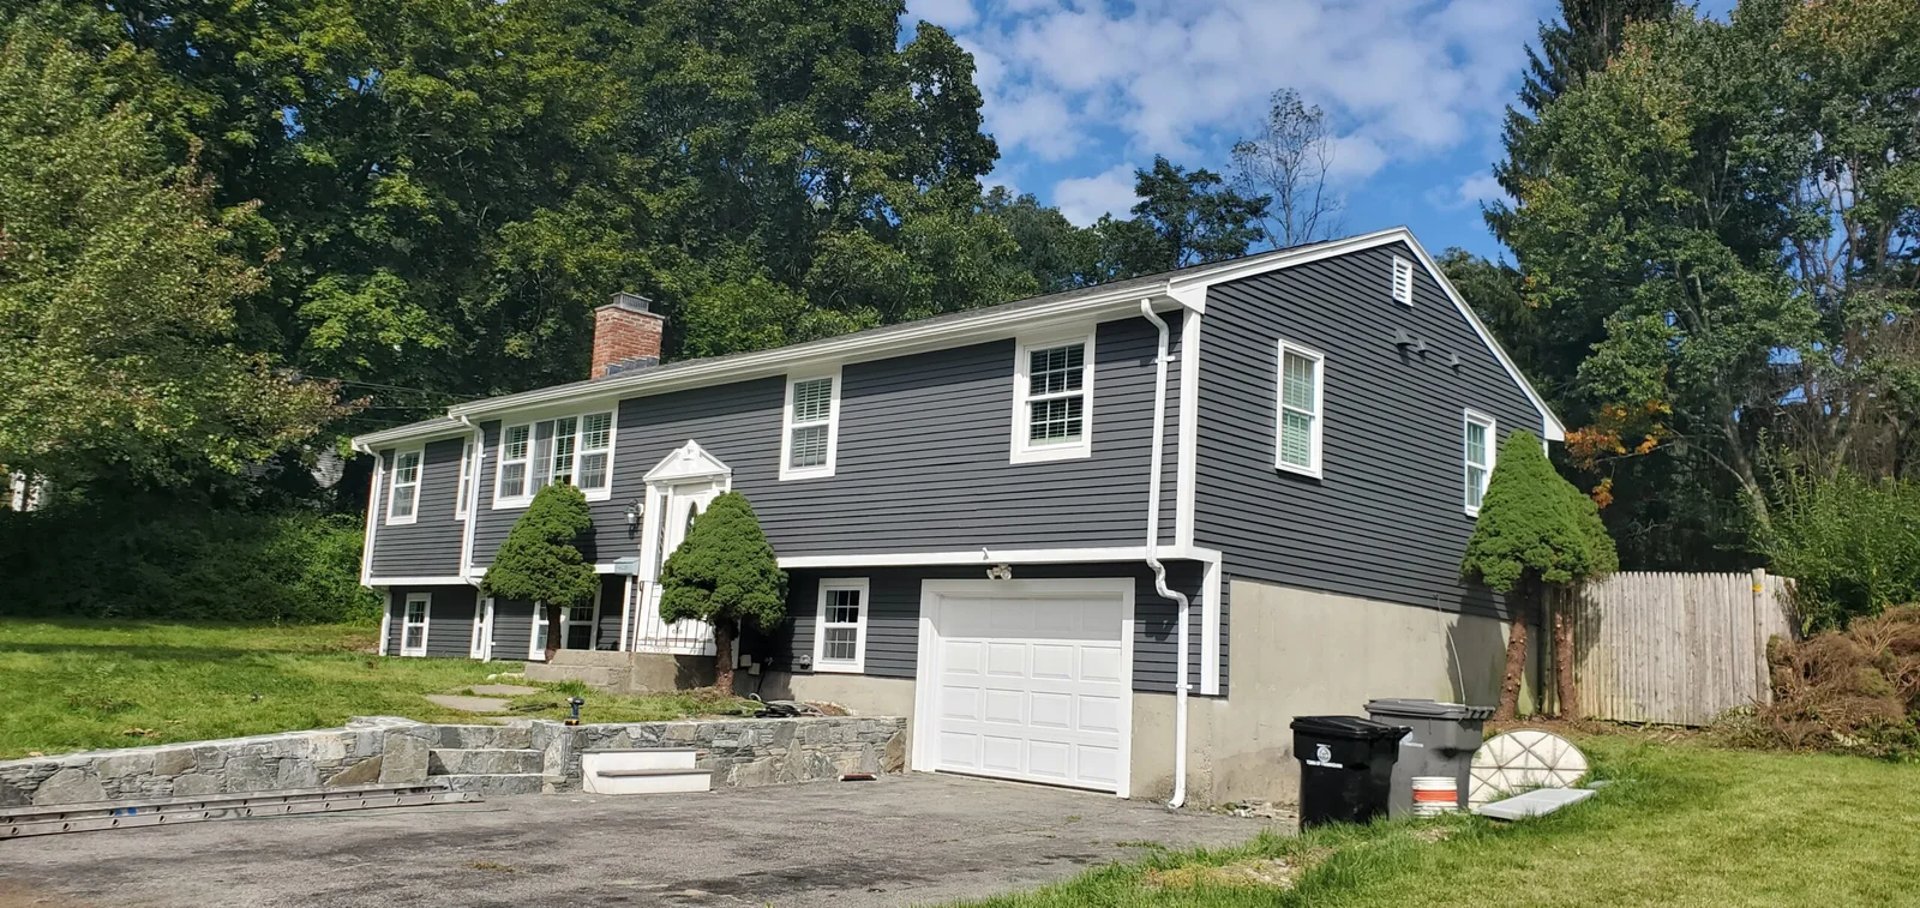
{"x":576,"y":703}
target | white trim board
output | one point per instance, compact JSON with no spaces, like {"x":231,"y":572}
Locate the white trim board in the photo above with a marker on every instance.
{"x":985,"y":557}
{"x":390,"y":582}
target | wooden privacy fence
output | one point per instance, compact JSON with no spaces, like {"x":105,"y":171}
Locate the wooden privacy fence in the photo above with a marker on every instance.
{"x":1673,"y":648}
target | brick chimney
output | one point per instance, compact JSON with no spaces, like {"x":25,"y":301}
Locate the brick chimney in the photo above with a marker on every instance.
{"x":626,"y":335}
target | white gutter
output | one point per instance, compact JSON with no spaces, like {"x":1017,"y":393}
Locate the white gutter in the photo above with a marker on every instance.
{"x":478,"y":441}
{"x":1160,"y":570}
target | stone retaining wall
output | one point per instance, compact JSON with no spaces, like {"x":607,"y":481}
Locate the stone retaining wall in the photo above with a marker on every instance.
{"x":393,"y":751}
{"x":747,"y":753}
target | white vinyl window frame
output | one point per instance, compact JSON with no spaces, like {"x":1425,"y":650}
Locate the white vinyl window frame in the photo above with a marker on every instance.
{"x":408,"y":623}
{"x":1401,"y":281}
{"x":462,"y":503}
{"x":1316,"y":414}
{"x":568,"y":622}
{"x":821,"y":624}
{"x":409,"y":468}
{"x":1024,"y":448}
{"x":521,"y":446}
{"x":537,"y":633}
{"x":1475,"y":476}
{"x":791,"y":424}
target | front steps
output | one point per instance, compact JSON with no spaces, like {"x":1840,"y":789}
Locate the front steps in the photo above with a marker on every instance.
{"x":487,"y":760}
{"x":658,"y":770}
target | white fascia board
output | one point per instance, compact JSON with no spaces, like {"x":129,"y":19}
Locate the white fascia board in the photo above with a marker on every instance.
{"x":417,"y":433}
{"x":990,"y":557}
{"x":388,"y":582}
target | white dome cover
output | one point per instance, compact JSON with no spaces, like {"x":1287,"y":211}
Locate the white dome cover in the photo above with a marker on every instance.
{"x":1521,"y":761}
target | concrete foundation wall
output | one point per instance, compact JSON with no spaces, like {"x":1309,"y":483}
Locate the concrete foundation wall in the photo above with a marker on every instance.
{"x":1318,"y":654}
{"x":626,"y":673}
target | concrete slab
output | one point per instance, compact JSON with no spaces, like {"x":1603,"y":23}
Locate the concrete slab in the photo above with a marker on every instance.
{"x":1534,"y":803}
{"x":468,"y":704}
{"x":913,"y":839}
{"x":503,"y":690}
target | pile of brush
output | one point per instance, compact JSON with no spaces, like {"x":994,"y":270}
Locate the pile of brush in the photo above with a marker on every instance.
{"x":1851,"y":691}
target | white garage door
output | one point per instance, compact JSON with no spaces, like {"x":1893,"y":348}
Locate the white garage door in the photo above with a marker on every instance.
{"x":1027,"y":680}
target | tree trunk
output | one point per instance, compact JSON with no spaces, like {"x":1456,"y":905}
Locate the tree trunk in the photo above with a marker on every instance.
{"x":553,"y":631}
{"x":723,"y":657}
{"x":1563,"y":684}
{"x":1509,"y":708}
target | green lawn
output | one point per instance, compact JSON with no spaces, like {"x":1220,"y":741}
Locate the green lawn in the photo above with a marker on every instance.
{"x":74,"y":685}
{"x":1681,"y":824}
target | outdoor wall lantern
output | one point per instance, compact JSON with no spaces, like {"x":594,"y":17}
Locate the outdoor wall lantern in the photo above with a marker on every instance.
{"x":635,"y":509}
{"x":1000,"y":572}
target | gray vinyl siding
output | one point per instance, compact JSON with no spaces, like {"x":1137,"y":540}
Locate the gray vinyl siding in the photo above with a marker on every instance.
{"x":893,"y":619}
{"x":922,"y":463}
{"x":1386,"y":521}
{"x":430,"y":546}
{"x":512,"y":629}
{"x":449,"y":620}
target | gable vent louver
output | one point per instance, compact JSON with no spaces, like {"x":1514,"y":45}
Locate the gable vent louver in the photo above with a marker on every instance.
{"x":1402,"y":281}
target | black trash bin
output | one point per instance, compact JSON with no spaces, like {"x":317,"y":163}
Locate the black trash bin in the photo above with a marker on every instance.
{"x":1346,"y":767}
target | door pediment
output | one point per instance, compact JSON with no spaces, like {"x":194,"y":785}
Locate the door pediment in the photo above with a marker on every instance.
{"x":688,"y":462}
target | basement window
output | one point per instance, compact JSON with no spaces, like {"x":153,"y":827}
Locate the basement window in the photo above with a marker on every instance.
{"x":413,"y":625}
{"x":840,"y":627}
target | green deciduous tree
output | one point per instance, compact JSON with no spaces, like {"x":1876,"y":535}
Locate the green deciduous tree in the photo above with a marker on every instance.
{"x":725,"y":574}
{"x":540,"y":561}
{"x":1184,"y":217}
{"x":117,"y":293}
{"x":1535,"y":531}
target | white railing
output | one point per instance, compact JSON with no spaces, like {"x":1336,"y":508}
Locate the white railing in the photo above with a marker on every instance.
{"x":651,"y":634}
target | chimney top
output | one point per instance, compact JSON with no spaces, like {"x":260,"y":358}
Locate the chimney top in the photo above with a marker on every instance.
{"x":632,"y":302}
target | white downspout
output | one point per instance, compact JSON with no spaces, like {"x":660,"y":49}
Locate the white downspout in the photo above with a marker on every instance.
{"x":1159,"y":570}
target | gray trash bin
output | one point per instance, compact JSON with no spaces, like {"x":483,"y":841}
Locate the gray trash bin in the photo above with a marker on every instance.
{"x":1442,"y":743}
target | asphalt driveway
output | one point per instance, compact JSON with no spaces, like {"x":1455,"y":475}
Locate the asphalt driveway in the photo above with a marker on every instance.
{"x":902,"y":840}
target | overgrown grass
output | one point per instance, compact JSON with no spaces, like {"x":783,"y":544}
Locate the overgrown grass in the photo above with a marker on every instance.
{"x":1680,"y":824}
{"x":74,"y":685}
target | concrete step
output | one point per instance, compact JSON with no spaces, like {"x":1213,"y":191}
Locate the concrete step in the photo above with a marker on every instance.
{"x":482,"y":761}
{"x":498,"y":785}
{"x":483,"y":737}
{"x":647,"y":781}
{"x":601,"y":761}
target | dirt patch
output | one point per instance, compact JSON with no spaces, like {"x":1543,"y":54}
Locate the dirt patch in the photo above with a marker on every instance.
{"x":1251,"y":873}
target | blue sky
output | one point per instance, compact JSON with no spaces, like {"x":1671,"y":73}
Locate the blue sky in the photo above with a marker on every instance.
{"x":1081,"y":92}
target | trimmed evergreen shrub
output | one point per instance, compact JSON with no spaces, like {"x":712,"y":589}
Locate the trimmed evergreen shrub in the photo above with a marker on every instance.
{"x":1535,"y":530}
{"x":725,"y":573}
{"x":541,"y":562}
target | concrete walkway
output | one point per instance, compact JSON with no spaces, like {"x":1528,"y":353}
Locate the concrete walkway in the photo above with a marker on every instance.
{"x":912,"y":839}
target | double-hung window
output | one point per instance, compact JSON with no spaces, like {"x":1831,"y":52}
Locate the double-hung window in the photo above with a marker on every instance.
{"x":1479,"y":458}
{"x":575,"y":450}
{"x":1300,"y":420}
{"x":413,"y":624}
{"x":403,"y":497}
{"x":840,"y":627}
{"x":811,"y":436}
{"x":1053,"y":400}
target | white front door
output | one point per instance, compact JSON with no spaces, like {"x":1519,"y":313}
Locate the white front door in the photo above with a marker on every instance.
{"x":1028,"y":680}
{"x":678,"y":490}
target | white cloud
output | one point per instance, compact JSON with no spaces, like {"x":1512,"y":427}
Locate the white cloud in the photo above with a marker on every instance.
{"x":1475,"y":190}
{"x":1084,"y":199}
{"x":1400,"y":81}
{"x":948,"y":13}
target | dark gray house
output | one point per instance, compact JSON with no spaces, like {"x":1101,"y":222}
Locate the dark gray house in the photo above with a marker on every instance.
{"x":1114,"y":538}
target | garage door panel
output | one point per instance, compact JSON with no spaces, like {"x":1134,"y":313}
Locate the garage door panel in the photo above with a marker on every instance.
{"x":1005,"y":706}
{"x":960,"y":702}
{"x":1006,"y":660}
{"x":1032,"y":687}
{"x":1099,"y":714}
{"x":1101,"y":664}
{"x":1053,"y":661}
